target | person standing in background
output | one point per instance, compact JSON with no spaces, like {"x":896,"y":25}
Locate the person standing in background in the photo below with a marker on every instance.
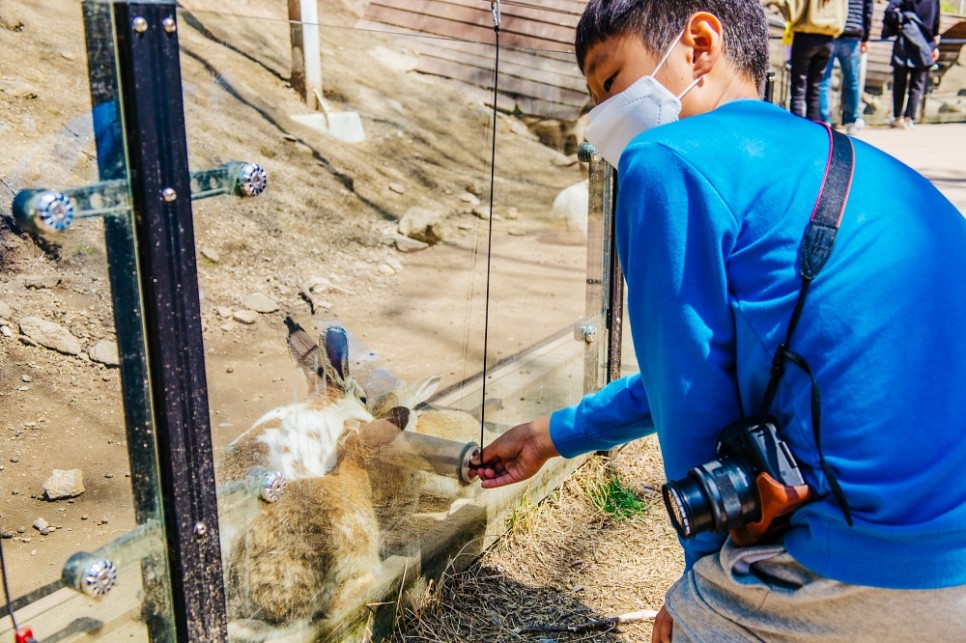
{"x":847,"y":49}
{"x":915,"y":23}
{"x":813,"y":31}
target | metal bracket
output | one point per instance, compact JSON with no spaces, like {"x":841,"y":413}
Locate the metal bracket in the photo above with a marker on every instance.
{"x":585,"y":332}
{"x":51,"y":211}
{"x":95,"y":574}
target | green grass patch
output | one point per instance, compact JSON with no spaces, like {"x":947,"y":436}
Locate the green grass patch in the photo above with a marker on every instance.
{"x":613,"y":497}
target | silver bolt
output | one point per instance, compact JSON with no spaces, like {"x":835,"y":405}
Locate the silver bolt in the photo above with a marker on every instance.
{"x":587,"y":153}
{"x":169,"y":195}
{"x":140,"y":24}
{"x":200,"y":529}
{"x":170,"y":26}
{"x":273,"y":486}
{"x":99,"y":577}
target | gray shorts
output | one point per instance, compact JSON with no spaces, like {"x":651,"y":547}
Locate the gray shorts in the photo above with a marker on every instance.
{"x":761,"y":594}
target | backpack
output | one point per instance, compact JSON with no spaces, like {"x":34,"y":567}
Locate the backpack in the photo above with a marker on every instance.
{"x":892,"y":19}
{"x":826,"y":17}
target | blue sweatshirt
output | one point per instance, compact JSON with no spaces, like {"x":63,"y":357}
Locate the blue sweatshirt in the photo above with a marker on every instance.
{"x":710,"y":215}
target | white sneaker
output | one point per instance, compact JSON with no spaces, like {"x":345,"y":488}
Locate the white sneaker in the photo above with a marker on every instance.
{"x":909,"y":123}
{"x":896,"y":123}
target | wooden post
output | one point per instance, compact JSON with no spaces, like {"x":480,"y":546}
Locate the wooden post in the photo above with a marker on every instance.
{"x":303,"y":18}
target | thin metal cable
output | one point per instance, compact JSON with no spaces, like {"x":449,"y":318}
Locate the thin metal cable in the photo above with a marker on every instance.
{"x":495,"y":9}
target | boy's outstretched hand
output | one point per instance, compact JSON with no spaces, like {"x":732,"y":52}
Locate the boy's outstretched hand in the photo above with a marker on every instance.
{"x":515,"y":455}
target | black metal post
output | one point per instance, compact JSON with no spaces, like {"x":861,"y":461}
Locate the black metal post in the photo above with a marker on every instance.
{"x":615,"y":307}
{"x":153,"y":115}
{"x":128,"y":319}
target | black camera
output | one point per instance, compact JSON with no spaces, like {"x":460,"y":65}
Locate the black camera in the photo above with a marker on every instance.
{"x":752,"y":488}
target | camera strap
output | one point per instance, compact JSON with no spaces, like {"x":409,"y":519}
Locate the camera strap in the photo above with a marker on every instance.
{"x":814,"y":252}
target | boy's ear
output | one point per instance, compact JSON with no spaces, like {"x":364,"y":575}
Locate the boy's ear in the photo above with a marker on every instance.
{"x":705,"y":36}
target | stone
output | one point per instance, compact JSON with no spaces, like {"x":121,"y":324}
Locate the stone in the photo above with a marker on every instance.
{"x":6,"y":310}
{"x":105,"y":352}
{"x":64,"y":483}
{"x":565,"y":161}
{"x":210,"y":254}
{"x":245,"y":316}
{"x":386,"y":270}
{"x":398,"y":188}
{"x":40,"y":282}
{"x":469,"y":198}
{"x":223,"y":311}
{"x":50,"y":335}
{"x":405,"y":244}
{"x":260,"y":303}
{"x":423,"y":225}
{"x":40,"y":524}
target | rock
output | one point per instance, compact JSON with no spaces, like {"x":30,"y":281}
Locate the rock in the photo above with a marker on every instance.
{"x":64,"y":483}
{"x":6,"y":311}
{"x":550,"y":132}
{"x":20,"y":89}
{"x":259,"y":303}
{"x":211,"y":254}
{"x":482,"y":212}
{"x":223,"y":311}
{"x":41,"y":525}
{"x":50,"y":335}
{"x":520,"y":129}
{"x":472,"y":199}
{"x":565,"y":161}
{"x":405,"y":244}
{"x":386,"y":270}
{"x":570,"y":206}
{"x":39,"y":282}
{"x":423,"y":225}
{"x":322,"y":284}
{"x":5,"y":331}
{"x":398,"y":188}
{"x":105,"y":352}
{"x":512,"y":214}
{"x":947,"y":107}
{"x":245,"y":316}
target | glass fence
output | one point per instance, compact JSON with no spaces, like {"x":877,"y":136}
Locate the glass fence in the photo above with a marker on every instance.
{"x":378,"y":298}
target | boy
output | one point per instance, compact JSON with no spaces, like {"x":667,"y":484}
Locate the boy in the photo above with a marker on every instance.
{"x":709,"y":221}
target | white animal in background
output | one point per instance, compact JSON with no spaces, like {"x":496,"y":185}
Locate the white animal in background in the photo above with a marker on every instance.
{"x":571,"y":206}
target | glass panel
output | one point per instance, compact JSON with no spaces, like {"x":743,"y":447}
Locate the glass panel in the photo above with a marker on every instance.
{"x":376,"y":218}
{"x":78,"y":474}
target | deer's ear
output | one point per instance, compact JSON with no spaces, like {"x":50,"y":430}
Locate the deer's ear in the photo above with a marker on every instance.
{"x":335,"y":363}
{"x":425,"y":390}
{"x":399,"y":416}
{"x":304,"y":351}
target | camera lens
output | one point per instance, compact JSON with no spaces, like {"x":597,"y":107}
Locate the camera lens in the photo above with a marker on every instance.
{"x":717,"y":496}
{"x":731,"y":491}
{"x":687,"y":507}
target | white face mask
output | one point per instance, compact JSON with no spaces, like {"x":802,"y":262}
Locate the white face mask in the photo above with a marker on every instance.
{"x":642,"y":106}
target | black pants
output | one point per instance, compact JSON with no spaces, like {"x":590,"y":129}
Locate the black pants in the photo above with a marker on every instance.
{"x":810,"y":56}
{"x":915,"y":80}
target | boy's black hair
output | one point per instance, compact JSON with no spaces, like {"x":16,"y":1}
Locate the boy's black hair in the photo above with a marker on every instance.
{"x":659,"y":22}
